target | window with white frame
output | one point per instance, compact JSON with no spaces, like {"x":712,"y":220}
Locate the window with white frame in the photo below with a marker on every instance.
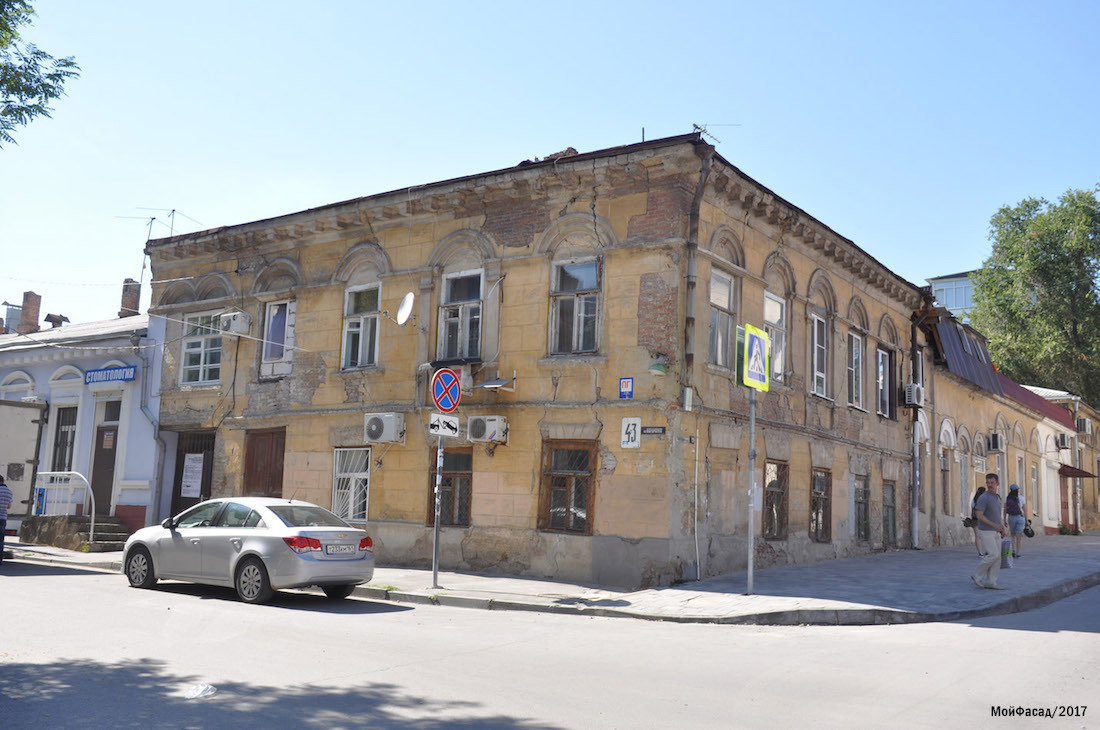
{"x":575,"y":307}
{"x":722,"y":320}
{"x":361,"y":313}
{"x":202,"y":349}
{"x":460,"y":317}
{"x":351,"y":483}
{"x":278,"y":344}
{"x":855,"y":370}
{"x":775,"y":325}
{"x":886,"y":400}
{"x":820,"y":351}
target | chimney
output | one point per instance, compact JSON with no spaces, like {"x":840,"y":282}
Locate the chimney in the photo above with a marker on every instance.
{"x":55,"y":320}
{"x":131,"y":298}
{"x":28,"y":321}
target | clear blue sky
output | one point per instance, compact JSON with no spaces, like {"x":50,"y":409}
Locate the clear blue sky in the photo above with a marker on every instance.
{"x":903,"y":126}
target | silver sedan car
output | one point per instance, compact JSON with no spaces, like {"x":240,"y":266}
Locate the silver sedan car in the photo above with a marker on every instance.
{"x":256,"y":545}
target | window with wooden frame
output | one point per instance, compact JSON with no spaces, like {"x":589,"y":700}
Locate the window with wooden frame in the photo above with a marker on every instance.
{"x":575,"y":307}
{"x":361,"y":314}
{"x":278,"y":344}
{"x":775,"y":500}
{"x":723,"y":318}
{"x":855,"y":370}
{"x":454,"y":488}
{"x":821,"y":516}
{"x":460,"y":317}
{"x":775,"y":325}
{"x":862,"y":494}
{"x":820,"y":356}
{"x":886,"y":400}
{"x":566,"y":491}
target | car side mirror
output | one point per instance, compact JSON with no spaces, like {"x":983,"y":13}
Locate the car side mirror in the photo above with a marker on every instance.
{"x":168,"y":524}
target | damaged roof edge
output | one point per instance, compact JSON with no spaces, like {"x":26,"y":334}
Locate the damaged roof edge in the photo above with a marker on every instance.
{"x":694,"y":138}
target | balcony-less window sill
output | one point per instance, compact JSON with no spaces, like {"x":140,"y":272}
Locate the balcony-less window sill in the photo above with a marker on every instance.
{"x":201,"y":385}
{"x":861,"y":409}
{"x":825,"y":398}
{"x":579,"y":359}
{"x":364,"y":370}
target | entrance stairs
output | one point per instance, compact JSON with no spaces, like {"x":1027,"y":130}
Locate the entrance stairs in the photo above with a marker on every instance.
{"x":72,"y":531}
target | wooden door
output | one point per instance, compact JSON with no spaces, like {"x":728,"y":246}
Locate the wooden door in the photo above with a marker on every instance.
{"x":103,"y":468}
{"x":1063,"y":485}
{"x":263,"y":462}
{"x":194,"y":469}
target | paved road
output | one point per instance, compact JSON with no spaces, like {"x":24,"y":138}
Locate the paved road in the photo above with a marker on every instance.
{"x":85,"y":650}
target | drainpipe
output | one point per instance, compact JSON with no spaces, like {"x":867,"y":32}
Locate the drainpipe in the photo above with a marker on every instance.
{"x":687,"y":373}
{"x":158,"y":460}
{"x":687,"y":379}
{"x":915,"y":366}
{"x":1076,"y":463}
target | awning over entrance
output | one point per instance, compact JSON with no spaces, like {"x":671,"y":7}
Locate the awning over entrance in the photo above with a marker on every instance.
{"x":1071,"y":471}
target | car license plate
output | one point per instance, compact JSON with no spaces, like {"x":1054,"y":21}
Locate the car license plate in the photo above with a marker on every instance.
{"x":339,"y":549}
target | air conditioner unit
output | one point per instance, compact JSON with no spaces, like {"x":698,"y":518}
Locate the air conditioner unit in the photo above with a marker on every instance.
{"x":914,"y":395}
{"x":996,"y":443}
{"x":487,"y":428}
{"x":1062,"y":441}
{"x":1084,"y":425}
{"x":236,"y":323}
{"x":384,"y":427}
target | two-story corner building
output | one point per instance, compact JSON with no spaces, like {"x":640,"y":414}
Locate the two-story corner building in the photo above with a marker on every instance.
{"x":590,"y":304}
{"x":77,"y":398}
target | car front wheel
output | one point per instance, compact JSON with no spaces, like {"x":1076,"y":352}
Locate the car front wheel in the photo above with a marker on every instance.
{"x":337,"y":592}
{"x":139,"y":568}
{"x":252,"y":583}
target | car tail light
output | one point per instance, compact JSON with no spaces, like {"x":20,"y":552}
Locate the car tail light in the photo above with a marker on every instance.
{"x":366,"y":544}
{"x":302,"y":544}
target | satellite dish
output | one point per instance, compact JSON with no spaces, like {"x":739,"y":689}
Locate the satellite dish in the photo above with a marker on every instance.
{"x":405,"y":309}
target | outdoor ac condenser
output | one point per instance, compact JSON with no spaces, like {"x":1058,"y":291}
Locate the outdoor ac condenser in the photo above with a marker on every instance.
{"x":487,"y":428}
{"x":384,"y":427}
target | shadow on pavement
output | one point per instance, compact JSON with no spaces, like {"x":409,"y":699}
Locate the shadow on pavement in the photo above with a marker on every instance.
{"x":17,"y":569}
{"x":81,"y":693}
{"x":1075,"y":614}
{"x":288,"y":600}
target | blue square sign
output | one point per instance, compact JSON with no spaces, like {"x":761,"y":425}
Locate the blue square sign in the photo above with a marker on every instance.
{"x":626,"y":387}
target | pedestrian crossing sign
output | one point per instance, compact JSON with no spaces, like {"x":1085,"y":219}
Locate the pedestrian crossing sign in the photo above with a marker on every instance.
{"x":755,"y":370}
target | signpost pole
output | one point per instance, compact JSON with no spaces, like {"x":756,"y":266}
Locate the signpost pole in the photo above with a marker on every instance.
{"x":438,"y":501}
{"x":751,"y":527}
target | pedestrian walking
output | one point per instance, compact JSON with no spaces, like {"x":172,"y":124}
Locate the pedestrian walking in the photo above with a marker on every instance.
{"x":989,"y":512}
{"x":1016,"y":517}
{"x":974,"y":520}
{"x":5,"y":504}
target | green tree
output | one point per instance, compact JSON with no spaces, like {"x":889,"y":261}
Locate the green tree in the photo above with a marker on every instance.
{"x":1037,"y":298}
{"x":29,"y":78}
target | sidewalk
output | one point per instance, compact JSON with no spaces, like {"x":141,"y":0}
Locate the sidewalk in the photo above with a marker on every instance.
{"x":906,"y":586}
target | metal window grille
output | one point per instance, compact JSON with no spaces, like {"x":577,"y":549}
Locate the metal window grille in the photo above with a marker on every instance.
{"x":775,"y":500}
{"x":454,"y":488}
{"x":64,"y":438}
{"x":351,"y":483}
{"x":889,"y":515}
{"x":567,"y":483}
{"x":863,"y":508}
{"x":820,"y":508}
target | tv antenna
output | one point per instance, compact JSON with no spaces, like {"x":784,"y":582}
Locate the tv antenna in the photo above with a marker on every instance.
{"x":702,"y":129}
{"x":172,"y":213}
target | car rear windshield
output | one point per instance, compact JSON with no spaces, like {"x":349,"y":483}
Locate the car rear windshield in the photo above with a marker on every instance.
{"x":296,"y":515}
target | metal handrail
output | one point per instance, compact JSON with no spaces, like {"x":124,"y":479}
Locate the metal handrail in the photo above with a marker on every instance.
{"x":70,"y":475}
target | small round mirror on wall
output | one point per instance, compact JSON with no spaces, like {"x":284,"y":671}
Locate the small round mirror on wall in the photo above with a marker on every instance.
{"x":405,"y":309}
